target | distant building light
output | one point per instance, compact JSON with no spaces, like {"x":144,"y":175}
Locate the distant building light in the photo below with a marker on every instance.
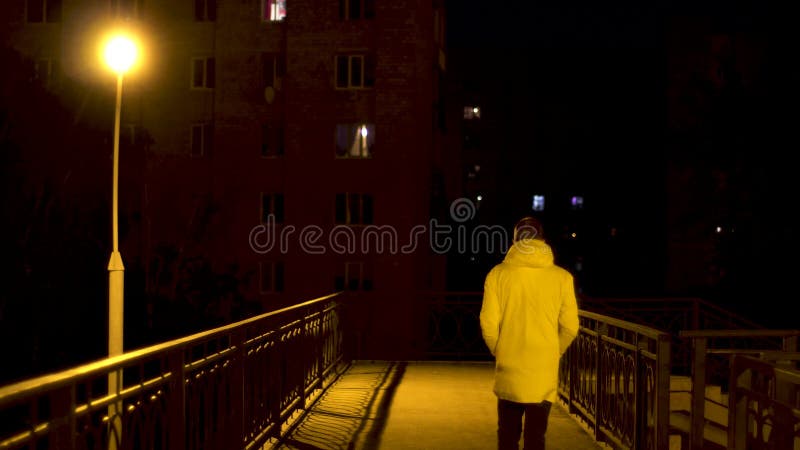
{"x":538,"y":203}
{"x":576,"y":202}
{"x":472,"y":112}
{"x":574,"y":235}
{"x":480,"y":197}
{"x":719,"y":229}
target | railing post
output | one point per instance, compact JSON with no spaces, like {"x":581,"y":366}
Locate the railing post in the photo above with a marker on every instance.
{"x":602,"y":329}
{"x":737,"y":408}
{"x":698,"y":392}
{"x":639,"y":395}
{"x":238,"y":339}
{"x":663,"y":372}
{"x":176,"y":403}
{"x":62,"y":404}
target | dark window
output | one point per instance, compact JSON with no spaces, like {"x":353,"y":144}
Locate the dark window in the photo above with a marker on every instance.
{"x":356,"y":9}
{"x":273,"y":69}
{"x":271,"y":141}
{"x":205,"y":10}
{"x":271,"y":205}
{"x":35,"y":10}
{"x":354,"y":209}
{"x":202,"y":139}
{"x":203,"y":73}
{"x":353,"y":276}
{"x":355,"y":71}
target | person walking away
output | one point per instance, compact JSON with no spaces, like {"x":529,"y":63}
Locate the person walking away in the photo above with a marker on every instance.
{"x":528,"y":319}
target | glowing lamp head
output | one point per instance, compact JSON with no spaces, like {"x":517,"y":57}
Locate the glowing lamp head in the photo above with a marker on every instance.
{"x":120,"y":54}
{"x":363,"y":131}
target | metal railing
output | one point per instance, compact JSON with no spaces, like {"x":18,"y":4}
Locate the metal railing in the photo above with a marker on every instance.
{"x":711,"y":354}
{"x":454,"y":330}
{"x":673,"y":315}
{"x":238,"y":386}
{"x":616,"y":377}
{"x":764,"y":410}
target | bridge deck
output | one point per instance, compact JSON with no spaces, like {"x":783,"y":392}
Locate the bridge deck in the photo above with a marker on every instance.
{"x":417,"y":405}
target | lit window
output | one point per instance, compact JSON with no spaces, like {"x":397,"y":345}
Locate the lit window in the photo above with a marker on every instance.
{"x":203,"y":73}
{"x":271,"y":205}
{"x":353,"y":209}
{"x":41,"y":11}
{"x":202,"y":139}
{"x":356,"y":9}
{"x":576,"y":202}
{"x":272,"y":141}
{"x":354,"y":71}
{"x":205,"y":10}
{"x":472,"y":112}
{"x":538,"y":203}
{"x":271,"y":277}
{"x":273,"y":10}
{"x":355,"y":140}
{"x":353,"y":276}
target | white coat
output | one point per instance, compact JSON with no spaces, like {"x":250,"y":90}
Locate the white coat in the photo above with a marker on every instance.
{"x":528,"y":318}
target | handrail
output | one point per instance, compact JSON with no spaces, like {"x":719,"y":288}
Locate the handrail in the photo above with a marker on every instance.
{"x":9,"y":393}
{"x":737,"y":333}
{"x":700,"y":351}
{"x":616,"y":377}
{"x":237,"y":384}
{"x":764,"y":409}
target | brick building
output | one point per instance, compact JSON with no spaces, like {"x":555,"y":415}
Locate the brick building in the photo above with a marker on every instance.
{"x":318,"y":125}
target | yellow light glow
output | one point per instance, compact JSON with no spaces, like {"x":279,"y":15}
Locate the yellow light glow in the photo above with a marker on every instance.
{"x":475,"y":110}
{"x":120,"y":54}
{"x":363,"y":131}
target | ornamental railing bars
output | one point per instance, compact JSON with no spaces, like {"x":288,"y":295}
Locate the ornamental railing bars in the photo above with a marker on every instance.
{"x":239,"y":386}
{"x":616,"y":377}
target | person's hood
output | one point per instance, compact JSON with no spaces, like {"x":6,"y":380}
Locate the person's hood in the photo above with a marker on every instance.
{"x":529,"y":253}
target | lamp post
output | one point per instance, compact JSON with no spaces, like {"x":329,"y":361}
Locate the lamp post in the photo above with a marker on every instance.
{"x":120,"y":54}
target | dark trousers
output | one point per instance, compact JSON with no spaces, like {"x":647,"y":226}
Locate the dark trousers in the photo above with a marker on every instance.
{"x":509,"y":424}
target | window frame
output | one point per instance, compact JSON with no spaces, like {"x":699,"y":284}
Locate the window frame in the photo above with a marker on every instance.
{"x":206,"y":139}
{"x":273,"y":140}
{"x":208,"y":67}
{"x":277,"y":63}
{"x":366,"y":10}
{"x":269,"y":6}
{"x":366,"y":149}
{"x":205,"y":10}
{"x":366,"y":72}
{"x":361,"y":214}
{"x":275,"y":199}
{"x":351,"y":271}
{"x":49,"y":14}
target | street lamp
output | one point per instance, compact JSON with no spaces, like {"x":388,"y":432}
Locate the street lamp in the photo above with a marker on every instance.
{"x":120,"y":54}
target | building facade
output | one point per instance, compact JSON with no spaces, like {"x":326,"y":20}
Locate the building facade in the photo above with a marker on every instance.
{"x":290,"y":147}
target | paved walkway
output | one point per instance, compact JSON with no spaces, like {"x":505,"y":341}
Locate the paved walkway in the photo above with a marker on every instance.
{"x":417,"y":406}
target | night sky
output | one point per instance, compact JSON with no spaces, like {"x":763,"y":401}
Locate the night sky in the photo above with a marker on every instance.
{"x":590,"y":91}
